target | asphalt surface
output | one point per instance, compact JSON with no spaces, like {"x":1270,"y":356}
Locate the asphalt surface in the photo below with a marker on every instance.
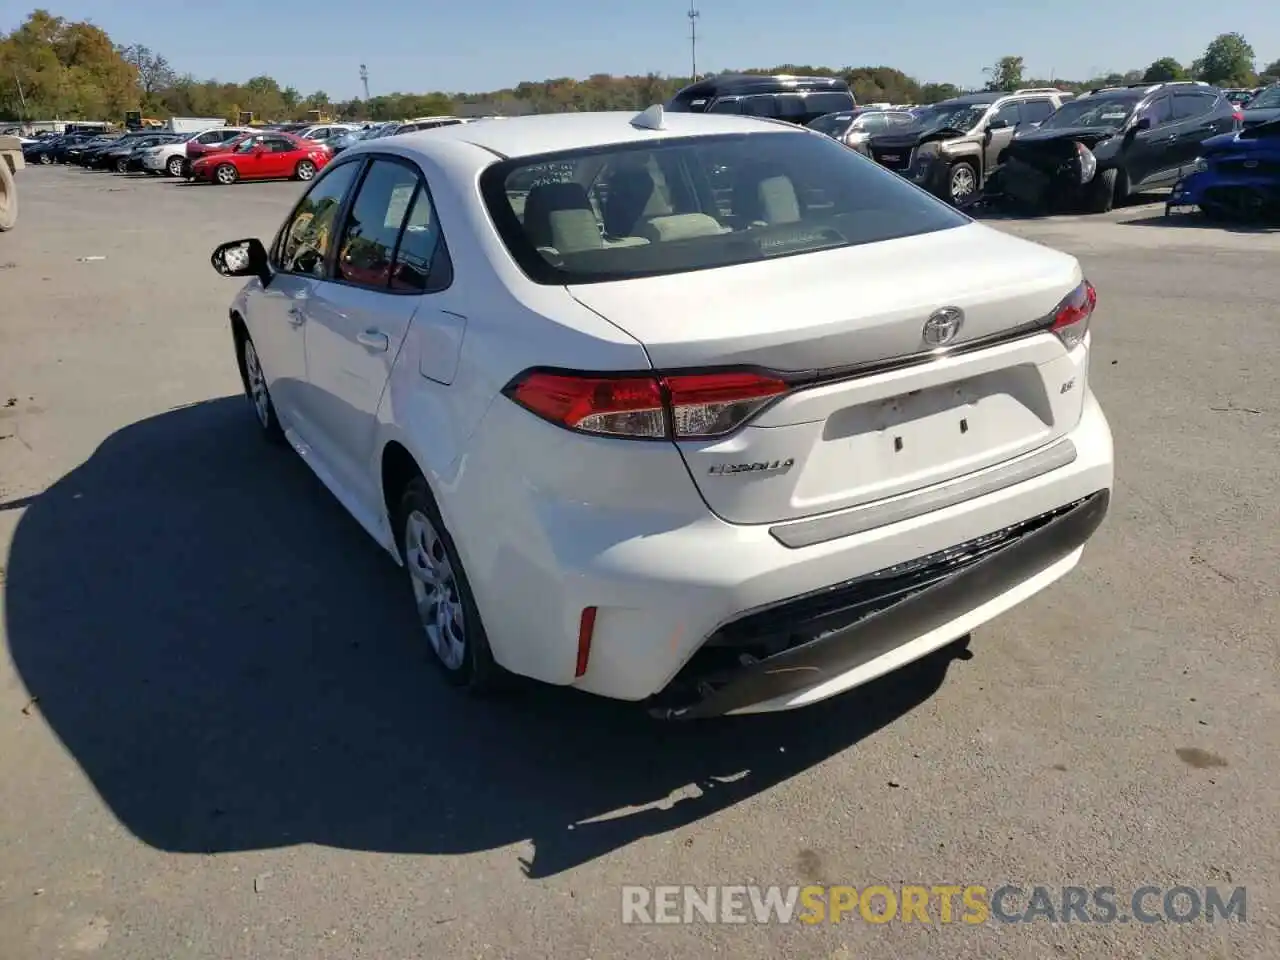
{"x":219,"y":736}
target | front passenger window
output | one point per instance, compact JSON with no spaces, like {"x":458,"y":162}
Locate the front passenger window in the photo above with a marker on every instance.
{"x":309,"y":236}
{"x":1009,"y":114}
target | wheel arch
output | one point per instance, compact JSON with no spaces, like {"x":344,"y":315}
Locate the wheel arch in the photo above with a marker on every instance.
{"x":397,"y":467}
{"x":239,"y":334}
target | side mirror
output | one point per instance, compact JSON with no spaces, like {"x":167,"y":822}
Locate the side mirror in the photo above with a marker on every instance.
{"x":1143,"y":123}
{"x":242,"y":258}
{"x":259,"y":150}
{"x":998,"y":125}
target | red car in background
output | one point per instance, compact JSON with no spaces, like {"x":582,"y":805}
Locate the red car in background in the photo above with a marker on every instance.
{"x":262,"y":156}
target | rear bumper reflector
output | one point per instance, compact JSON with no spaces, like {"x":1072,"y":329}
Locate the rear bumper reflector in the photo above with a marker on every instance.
{"x":845,"y":626}
{"x":871,"y":516}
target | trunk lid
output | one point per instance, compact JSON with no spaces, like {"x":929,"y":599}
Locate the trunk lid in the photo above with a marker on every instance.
{"x":854,"y":440}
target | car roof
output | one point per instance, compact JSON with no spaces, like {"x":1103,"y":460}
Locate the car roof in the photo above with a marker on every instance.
{"x":529,"y":136}
{"x":986,"y":96}
{"x":741,"y":83}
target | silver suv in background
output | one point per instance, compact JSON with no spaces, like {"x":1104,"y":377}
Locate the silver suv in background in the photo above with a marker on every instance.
{"x":854,"y":128}
{"x":953,"y":146}
{"x":171,"y":158}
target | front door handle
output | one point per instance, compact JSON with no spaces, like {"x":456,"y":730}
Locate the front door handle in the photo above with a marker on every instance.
{"x":373,"y":340}
{"x":296,"y":316}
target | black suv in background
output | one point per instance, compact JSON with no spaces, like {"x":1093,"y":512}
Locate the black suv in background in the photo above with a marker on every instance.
{"x":1113,"y":142}
{"x":954,"y":145}
{"x":795,"y":99}
{"x":1263,"y":107}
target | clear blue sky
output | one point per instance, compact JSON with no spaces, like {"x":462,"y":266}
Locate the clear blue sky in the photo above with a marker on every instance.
{"x":412,"y":45}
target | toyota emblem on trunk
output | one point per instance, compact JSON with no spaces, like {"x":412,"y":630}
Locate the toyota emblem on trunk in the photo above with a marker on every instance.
{"x":943,"y":326}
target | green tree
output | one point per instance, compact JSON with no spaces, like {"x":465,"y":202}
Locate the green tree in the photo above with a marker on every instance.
{"x":937,"y":92}
{"x":1270,"y":73}
{"x":1006,"y":74}
{"x":1164,"y":70}
{"x":1227,"y":62}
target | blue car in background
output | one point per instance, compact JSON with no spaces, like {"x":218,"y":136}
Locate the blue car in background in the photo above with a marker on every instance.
{"x":1237,"y":176}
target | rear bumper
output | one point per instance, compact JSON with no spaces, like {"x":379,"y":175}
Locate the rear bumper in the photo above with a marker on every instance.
{"x":939,"y":591}
{"x":675,"y":587}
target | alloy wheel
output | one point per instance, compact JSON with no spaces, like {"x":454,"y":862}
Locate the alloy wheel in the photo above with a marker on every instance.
{"x":257,"y":385}
{"x":963,"y":182}
{"x":435,"y":588}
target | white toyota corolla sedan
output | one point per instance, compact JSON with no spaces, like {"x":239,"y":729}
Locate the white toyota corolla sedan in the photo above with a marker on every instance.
{"x":703,"y":411}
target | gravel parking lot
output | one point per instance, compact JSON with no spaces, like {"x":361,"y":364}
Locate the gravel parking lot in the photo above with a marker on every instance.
{"x":219,"y":737}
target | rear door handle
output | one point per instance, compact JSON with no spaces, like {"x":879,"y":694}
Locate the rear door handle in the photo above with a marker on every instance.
{"x":373,"y":340}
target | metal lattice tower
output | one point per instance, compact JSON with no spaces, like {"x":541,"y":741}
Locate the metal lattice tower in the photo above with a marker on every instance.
{"x":693,"y":16}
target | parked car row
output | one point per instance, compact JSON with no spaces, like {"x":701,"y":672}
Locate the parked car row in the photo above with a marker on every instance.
{"x":243,"y":153}
{"x":1046,"y":149}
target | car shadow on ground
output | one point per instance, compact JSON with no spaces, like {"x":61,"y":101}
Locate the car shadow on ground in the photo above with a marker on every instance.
{"x":1195,"y":221}
{"x":234,"y":664}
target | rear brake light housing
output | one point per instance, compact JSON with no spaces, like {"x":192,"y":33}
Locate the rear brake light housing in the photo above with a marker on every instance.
{"x":647,"y":406}
{"x":1071,"y":317}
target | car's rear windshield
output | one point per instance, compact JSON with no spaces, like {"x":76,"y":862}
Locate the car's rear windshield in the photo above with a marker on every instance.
{"x":832,"y":124}
{"x":1097,"y":111}
{"x":695,"y":203}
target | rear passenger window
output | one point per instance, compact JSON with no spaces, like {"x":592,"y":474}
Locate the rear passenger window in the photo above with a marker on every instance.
{"x":372,"y":229}
{"x":1188,"y":105}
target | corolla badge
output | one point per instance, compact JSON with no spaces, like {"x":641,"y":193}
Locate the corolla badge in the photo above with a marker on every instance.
{"x":943,"y":326}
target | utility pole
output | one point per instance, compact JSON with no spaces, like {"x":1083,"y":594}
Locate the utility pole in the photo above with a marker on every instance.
{"x":21,"y":96}
{"x":364,"y":78}
{"x":693,"y":16}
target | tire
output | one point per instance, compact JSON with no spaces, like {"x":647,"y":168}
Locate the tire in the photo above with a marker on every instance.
{"x":255,"y":390}
{"x":304,"y":171}
{"x":8,"y":197}
{"x":225,"y":175}
{"x":122,"y":166}
{"x":1103,"y":192}
{"x":176,"y":166}
{"x":45,"y":159}
{"x":436,"y":577}
{"x":962,"y":183}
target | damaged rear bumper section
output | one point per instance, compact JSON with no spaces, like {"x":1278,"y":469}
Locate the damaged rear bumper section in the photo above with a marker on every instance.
{"x":827,"y":635}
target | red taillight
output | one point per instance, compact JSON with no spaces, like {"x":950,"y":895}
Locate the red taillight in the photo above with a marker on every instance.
{"x":647,"y":407}
{"x":1237,"y":116}
{"x":1071,"y":318}
{"x":586,"y":629}
{"x":711,"y":404}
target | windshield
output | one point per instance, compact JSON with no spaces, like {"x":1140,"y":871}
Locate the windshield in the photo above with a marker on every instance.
{"x":1099,"y":112}
{"x":1268,"y":99}
{"x":696,"y":203}
{"x":832,"y":124}
{"x":951,"y":116}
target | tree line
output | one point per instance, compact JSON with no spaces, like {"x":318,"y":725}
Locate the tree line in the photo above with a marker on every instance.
{"x":54,"y":68}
